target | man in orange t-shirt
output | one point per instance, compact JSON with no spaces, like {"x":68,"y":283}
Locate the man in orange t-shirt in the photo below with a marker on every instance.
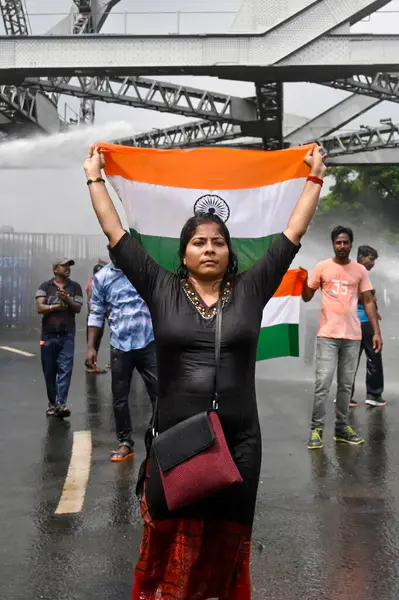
{"x":341,"y":281}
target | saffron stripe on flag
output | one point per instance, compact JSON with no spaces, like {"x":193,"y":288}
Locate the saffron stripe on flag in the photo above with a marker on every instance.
{"x":205,"y":168}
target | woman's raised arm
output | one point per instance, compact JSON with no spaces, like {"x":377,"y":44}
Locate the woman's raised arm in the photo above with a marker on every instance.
{"x":307,"y":203}
{"x":102,"y":203}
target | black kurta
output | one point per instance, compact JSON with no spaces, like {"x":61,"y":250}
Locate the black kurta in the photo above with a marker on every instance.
{"x":185,"y":343}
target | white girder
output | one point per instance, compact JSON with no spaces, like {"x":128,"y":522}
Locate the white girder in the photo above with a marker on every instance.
{"x":310,"y":21}
{"x":259,"y":16}
{"x":118,"y":54}
{"x":281,"y":44}
{"x":377,"y":52}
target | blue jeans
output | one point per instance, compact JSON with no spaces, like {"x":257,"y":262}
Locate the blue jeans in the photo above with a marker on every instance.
{"x":57,"y":351}
{"x":332,"y":354}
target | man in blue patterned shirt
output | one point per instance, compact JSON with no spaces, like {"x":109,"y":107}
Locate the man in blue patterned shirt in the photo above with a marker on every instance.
{"x":132,"y":345}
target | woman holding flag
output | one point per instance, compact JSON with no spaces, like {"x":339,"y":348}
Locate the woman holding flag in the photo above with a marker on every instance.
{"x":202,"y":551}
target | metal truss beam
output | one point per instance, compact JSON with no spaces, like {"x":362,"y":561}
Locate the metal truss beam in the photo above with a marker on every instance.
{"x":14,"y":104}
{"x":29,"y":106}
{"x":22,"y":110}
{"x":342,"y":148}
{"x":369,"y":145}
{"x":14,"y":17}
{"x":363,"y":140}
{"x":140,"y":92}
{"x":199,"y":133}
{"x":384,"y":86}
{"x":332,"y":119}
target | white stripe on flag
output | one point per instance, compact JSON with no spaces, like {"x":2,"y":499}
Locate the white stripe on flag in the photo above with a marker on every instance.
{"x":282,"y":309}
{"x":161,"y":211}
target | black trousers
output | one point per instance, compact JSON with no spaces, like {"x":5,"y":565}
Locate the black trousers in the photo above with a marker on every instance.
{"x":122,"y":367}
{"x":375,"y":372}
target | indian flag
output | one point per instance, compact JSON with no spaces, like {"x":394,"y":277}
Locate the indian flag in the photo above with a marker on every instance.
{"x":253,"y":192}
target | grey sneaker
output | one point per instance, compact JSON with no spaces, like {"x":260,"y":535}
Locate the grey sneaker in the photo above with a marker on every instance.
{"x":348,"y":435}
{"x":372,"y":400}
{"x":315,"y":439}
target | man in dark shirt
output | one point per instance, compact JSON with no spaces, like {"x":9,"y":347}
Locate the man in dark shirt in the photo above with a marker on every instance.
{"x":58,"y":300}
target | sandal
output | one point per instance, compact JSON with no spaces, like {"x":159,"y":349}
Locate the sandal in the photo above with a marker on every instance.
{"x":62,"y":412}
{"x":51,"y":411}
{"x":123,"y":452}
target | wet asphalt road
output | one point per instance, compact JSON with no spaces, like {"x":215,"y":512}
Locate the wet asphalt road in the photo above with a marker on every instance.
{"x":326,"y":522}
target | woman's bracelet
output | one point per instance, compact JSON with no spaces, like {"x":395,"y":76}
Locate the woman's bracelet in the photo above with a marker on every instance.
{"x":315,"y":179}
{"x":95,"y":180}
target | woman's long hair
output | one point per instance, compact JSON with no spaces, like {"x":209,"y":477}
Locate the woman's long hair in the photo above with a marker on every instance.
{"x":187,"y":233}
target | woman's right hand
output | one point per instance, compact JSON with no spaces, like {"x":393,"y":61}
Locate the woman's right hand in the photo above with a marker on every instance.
{"x":94,"y":162}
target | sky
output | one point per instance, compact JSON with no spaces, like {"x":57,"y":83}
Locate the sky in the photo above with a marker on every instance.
{"x":30,"y":199}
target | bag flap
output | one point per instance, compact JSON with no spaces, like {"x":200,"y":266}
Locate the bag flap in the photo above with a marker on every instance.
{"x":184,"y":440}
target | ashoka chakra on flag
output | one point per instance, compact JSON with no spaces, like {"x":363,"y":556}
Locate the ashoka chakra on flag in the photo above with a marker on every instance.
{"x":253,"y":191}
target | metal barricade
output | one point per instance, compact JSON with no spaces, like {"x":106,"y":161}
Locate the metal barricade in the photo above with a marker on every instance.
{"x":26,"y":261}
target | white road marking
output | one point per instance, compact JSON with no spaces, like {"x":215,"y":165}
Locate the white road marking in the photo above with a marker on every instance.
{"x":9,"y":349}
{"x":73,"y":493}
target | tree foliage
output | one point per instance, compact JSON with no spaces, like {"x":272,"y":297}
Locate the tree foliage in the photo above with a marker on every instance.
{"x":366,"y":196}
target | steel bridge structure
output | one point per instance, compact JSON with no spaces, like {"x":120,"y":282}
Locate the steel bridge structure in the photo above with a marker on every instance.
{"x":268,"y":44}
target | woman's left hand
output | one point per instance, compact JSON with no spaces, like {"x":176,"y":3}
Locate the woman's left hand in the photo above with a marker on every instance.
{"x":315,"y":160}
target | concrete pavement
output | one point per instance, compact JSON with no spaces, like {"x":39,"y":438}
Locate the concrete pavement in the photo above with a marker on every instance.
{"x":326,"y":521}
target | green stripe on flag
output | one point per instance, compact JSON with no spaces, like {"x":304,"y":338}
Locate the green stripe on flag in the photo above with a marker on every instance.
{"x":165,"y":250}
{"x":278,"y":340}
